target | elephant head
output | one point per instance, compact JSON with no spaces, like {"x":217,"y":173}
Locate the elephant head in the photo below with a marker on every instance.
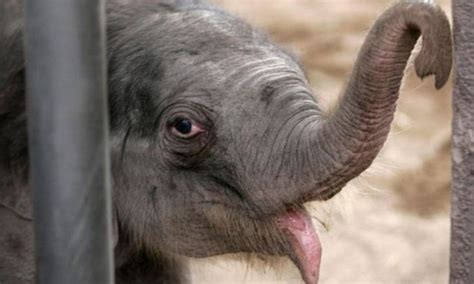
{"x":218,"y":141}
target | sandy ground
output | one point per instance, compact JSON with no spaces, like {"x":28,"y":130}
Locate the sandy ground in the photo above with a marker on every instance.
{"x":391,"y":225}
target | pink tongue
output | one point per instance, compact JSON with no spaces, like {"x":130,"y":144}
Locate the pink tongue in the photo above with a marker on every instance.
{"x":305,"y":243}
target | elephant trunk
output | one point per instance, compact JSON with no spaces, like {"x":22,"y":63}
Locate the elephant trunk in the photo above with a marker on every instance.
{"x":344,"y":144}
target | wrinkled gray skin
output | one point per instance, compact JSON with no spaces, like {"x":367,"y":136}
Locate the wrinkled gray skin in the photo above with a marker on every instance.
{"x":266,"y":146}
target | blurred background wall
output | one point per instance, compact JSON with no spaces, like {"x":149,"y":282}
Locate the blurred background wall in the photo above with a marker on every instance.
{"x":391,"y":225}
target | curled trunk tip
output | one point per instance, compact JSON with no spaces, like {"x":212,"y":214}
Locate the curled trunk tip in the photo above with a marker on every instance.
{"x":349,"y":140}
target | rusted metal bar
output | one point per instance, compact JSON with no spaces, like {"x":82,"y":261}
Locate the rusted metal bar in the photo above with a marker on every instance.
{"x":462,"y":213}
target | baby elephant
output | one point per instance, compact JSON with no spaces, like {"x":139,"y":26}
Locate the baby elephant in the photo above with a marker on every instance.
{"x":217,"y":140}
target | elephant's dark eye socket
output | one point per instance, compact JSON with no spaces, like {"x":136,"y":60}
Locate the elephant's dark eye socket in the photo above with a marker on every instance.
{"x":185,"y":128}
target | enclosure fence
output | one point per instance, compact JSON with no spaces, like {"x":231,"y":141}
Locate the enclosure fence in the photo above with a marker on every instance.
{"x":68,"y":140}
{"x":462,"y":212}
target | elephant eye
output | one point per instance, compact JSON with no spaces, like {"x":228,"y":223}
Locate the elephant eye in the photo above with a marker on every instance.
{"x":185,"y":128}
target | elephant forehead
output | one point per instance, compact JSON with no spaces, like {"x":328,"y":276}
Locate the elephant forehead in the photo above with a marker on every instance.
{"x":249,"y":70}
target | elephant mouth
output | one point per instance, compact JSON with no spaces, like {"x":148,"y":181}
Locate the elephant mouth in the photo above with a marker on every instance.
{"x":304,"y":242}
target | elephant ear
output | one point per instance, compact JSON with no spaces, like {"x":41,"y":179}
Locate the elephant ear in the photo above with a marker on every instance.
{"x":115,"y":230}
{"x":17,"y":199}
{"x":11,"y":45}
{"x":14,"y":190}
{"x":16,"y":234}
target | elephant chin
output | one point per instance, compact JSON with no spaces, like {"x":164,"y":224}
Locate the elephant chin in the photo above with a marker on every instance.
{"x":304,"y":242}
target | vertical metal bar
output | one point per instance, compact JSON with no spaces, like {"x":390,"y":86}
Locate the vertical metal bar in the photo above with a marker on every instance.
{"x":66,"y":85}
{"x":462,"y":213}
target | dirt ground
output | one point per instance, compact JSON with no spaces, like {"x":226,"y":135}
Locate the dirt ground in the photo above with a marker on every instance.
{"x":391,"y":225}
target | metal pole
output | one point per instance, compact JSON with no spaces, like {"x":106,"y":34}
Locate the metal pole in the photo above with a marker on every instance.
{"x":462,"y":215}
{"x":68,"y":130}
